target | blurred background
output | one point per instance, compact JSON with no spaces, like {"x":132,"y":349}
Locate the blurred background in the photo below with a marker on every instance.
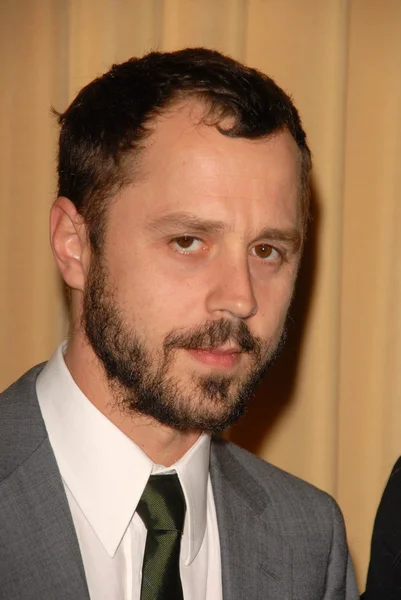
{"x":330,"y":410}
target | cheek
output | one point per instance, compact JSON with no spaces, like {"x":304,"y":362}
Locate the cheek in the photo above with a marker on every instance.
{"x":274,"y":300}
{"x":157,"y":300}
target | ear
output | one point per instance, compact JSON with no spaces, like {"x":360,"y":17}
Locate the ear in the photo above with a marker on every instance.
{"x":69,"y":242}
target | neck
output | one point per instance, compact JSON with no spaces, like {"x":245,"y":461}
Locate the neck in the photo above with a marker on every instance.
{"x":162,"y":444}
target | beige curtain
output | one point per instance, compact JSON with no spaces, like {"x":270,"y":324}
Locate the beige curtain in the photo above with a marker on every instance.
{"x":330,"y":411}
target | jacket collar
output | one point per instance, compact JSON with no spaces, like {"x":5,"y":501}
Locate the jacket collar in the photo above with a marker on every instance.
{"x":256,"y":563}
{"x":39,"y":525}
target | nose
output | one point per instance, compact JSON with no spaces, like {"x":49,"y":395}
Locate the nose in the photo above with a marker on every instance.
{"x":231,"y":292}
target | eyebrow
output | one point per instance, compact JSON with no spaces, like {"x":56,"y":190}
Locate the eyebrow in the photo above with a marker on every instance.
{"x":186,"y":221}
{"x":291,"y":236}
{"x":190,"y":222}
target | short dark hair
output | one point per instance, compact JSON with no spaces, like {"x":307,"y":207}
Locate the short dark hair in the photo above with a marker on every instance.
{"x":102,"y":129}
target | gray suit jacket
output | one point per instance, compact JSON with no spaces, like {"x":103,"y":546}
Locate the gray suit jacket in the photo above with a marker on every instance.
{"x":281,"y":538}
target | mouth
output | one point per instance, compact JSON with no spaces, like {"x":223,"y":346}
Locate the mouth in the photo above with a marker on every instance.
{"x":224,"y":357}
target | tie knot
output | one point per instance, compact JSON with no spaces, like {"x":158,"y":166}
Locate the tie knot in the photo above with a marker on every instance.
{"x":162,"y":505}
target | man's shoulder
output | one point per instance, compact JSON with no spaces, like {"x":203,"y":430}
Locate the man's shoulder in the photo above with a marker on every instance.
{"x":21,"y":424}
{"x":279,"y":486}
{"x":283,"y":517}
{"x":23,"y":385}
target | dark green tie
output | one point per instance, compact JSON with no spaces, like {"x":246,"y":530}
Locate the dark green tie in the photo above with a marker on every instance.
{"x":162,"y":509}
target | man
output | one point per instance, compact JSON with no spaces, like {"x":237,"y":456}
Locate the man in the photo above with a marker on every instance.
{"x":183,"y":191}
{"x":384,"y":574}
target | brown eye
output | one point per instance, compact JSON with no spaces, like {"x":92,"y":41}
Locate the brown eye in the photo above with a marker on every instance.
{"x":187,"y":244}
{"x":184,"y":241}
{"x":265,"y":251}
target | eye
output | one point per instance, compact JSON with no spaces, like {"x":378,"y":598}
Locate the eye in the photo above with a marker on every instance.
{"x":187,"y":244}
{"x":266,"y":252}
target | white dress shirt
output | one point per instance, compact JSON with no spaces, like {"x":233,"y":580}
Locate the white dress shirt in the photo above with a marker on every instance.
{"x":104,"y":475}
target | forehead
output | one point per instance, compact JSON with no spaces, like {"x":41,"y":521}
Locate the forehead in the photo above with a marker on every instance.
{"x":187,"y":164}
{"x":182,"y":131}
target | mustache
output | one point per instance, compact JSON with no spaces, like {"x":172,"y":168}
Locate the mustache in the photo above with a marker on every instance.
{"x":213,"y":334}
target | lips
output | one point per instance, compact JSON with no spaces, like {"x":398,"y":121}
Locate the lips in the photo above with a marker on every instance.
{"x":223,"y":357}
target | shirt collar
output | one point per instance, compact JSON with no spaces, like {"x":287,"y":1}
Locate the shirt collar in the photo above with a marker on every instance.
{"x":105,"y":471}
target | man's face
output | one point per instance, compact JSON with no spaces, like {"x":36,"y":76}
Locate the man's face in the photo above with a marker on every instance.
{"x":187,"y":304}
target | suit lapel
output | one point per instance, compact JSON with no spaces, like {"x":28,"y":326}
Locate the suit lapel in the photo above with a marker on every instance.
{"x":49,"y":534}
{"x":40,"y":556}
{"x":256,"y":563}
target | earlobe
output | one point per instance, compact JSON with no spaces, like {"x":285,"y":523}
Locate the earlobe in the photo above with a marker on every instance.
{"x":69,"y":242}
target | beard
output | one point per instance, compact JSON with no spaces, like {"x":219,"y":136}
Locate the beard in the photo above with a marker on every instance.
{"x":142,"y":380}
